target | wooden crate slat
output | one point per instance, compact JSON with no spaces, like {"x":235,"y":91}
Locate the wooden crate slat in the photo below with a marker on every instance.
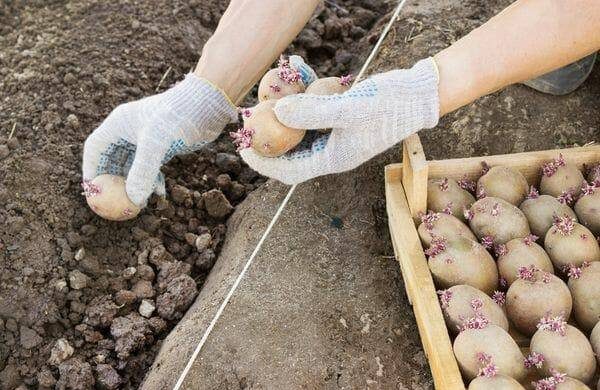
{"x":528,"y":163}
{"x":420,"y":287}
{"x":414,"y":177}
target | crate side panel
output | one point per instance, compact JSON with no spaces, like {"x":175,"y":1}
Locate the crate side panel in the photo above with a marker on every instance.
{"x":421,"y":290}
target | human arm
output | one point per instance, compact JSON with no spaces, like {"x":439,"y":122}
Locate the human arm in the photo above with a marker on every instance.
{"x":529,"y":38}
{"x":138,"y":137}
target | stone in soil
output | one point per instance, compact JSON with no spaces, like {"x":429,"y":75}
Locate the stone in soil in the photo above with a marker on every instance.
{"x":29,"y":338}
{"x":179,"y":295}
{"x":61,"y":351}
{"x":229,"y":163}
{"x":45,"y":378}
{"x":143,"y":289}
{"x":159,"y":255}
{"x":131,"y":333}
{"x":107,"y":378}
{"x":206,"y":260}
{"x":146,"y":308}
{"x":77,"y":280}
{"x":216,"y":204}
{"x":100,"y":312}
{"x":124,"y":297}
{"x":180,"y":194}
{"x":169,"y":271}
{"x":75,"y":375}
{"x":202,"y":242}
{"x":129,"y":272}
{"x":145,"y":272}
{"x":4,"y":151}
{"x":9,"y":376}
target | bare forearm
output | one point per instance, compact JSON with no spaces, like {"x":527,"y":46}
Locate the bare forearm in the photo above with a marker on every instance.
{"x":529,"y":38}
{"x":249,"y":37}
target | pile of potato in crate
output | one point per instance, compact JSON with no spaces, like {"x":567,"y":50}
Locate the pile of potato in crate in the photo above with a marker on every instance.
{"x":518,"y":268}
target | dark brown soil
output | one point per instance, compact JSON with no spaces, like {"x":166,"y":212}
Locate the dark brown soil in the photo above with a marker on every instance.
{"x":72,"y":286}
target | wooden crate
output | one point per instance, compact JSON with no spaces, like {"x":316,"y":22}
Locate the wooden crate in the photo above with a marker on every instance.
{"x":406,"y":194}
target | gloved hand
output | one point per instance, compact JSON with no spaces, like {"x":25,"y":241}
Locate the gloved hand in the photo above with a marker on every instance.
{"x":369,"y":118}
{"x":138,"y":137}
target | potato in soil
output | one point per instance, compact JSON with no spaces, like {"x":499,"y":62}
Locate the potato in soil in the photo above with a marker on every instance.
{"x":504,"y":183}
{"x":462,"y":302}
{"x":560,"y":178}
{"x":521,"y":252}
{"x":569,"y":243}
{"x":534,"y":295}
{"x":273,"y":87}
{"x":588,"y":207}
{"x":445,"y":195}
{"x":107,"y":197}
{"x":442,"y":225}
{"x":595,"y":341}
{"x":564,"y":348}
{"x":270,"y":138}
{"x":584,"y":284}
{"x":496,"y":382}
{"x":462,"y":261}
{"x":493,"y":342}
{"x":540,"y":211}
{"x":497,"y":220}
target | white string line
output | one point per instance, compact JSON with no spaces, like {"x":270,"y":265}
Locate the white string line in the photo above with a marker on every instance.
{"x":274,"y":220}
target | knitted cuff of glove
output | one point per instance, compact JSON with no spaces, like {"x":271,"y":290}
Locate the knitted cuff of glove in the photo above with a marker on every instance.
{"x":200,"y":101}
{"x":426,"y":80}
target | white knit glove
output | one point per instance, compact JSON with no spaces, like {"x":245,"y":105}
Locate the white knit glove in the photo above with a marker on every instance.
{"x":138,"y":137}
{"x":369,"y":118}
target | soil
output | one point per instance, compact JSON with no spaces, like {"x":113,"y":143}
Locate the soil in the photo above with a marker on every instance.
{"x":84,"y":302}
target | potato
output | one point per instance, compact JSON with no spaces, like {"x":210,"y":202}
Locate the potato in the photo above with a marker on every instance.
{"x":504,"y":183}
{"x":496,"y":382}
{"x":540,"y":211}
{"x":559,"y":382}
{"x":106,"y":196}
{"x":569,"y":243}
{"x":572,"y":384}
{"x":588,"y":208}
{"x":534,"y":295}
{"x":476,"y":348}
{"x":269,"y":137}
{"x":461,"y":302}
{"x":445,"y":195}
{"x":584,"y":284}
{"x":442,"y":225}
{"x":329,"y":86}
{"x":463,"y":261}
{"x":595,"y":341}
{"x":521,"y":252}
{"x":273,"y":87}
{"x":564,"y":349}
{"x":560,"y":178}
{"x":498,"y":220}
